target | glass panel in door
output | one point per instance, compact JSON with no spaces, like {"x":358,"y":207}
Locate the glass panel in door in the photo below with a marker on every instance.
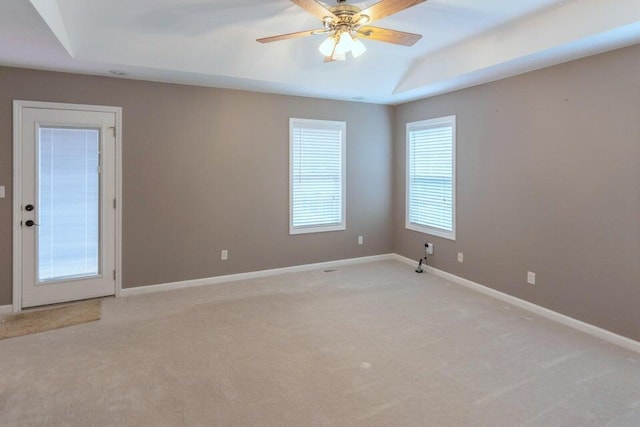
{"x":68,"y":182}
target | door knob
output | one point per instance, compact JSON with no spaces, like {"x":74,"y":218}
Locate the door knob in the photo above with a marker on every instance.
{"x":29,"y":223}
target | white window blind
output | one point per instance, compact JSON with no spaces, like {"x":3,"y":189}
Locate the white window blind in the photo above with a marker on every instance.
{"x":317,"y":165}
{"x":431,"y":177}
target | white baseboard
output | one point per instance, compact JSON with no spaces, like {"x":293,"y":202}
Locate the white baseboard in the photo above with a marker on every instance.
{"x":139,"y":290}
{"x":4,"y":309}
{"x":579,"y":325}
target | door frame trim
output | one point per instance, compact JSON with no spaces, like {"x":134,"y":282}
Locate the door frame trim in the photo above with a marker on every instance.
{"x":18,"y":106}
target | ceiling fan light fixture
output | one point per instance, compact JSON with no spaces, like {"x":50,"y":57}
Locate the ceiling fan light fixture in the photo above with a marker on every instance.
{"x":357,"y":48}
{"x":345,"y":42}
{"x":326,"y":47}
{"x":339,"y":56}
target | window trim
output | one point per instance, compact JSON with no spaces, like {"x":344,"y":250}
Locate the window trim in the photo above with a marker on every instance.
{"x":327,"y":124}
{"x":448,"y":120}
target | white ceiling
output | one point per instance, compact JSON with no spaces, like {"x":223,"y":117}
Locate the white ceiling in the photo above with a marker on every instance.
{"x":212,"y":43}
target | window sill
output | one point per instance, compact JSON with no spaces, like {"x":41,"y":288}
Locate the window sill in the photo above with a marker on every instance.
{"x":450,"y":235}
{"x":319,"y":229}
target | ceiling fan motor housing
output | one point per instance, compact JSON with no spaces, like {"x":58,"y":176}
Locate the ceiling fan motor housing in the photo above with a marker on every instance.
{"x":345,"y":14}
{"x":344,"y":10}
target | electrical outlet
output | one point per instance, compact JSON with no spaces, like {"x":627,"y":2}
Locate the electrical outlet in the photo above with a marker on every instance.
{"x":428,"y":248}
{"x":224,"y":255}
{"x":460,"y":257}
{"x":531,"y":278}
{"x":1,"y":191}
{"x":360,"y":240}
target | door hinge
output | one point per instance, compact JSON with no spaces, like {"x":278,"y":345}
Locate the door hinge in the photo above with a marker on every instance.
{"x":114,"y":203}
{"x":114,"y":275}
{"x":114,"y":130}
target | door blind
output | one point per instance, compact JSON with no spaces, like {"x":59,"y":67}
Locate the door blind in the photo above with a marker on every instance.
{"x":69,"y":203}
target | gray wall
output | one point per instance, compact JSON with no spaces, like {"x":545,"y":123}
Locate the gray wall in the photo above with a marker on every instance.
{"x":206,"y":170}
{"x":548,"y":181}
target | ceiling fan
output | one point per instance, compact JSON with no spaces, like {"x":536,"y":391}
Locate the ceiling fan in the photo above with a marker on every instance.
{"x":345,"y":24}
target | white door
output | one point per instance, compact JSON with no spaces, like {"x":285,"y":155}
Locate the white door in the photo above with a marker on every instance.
{"x":67,"y":206}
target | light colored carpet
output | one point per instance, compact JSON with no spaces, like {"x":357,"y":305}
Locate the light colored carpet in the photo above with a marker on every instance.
{"x":368,"y":345}
{"x":45,"y":319}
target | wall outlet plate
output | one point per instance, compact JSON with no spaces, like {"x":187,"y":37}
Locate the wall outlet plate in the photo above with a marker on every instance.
{"x":531,"y":278}
{"x":428,"y":247}
{"x":460,"y":257}
{"x":360,"y":240}
{"x":224,"y":255}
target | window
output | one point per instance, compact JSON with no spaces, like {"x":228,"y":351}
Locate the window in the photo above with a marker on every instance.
{"x":316,"y":176}
{"x":431,"y":177}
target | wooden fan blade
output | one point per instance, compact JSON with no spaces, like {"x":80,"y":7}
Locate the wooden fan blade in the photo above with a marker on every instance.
{"x":386,"y":8}
{"x":315,"y":8}
{"x":290,"y":36}
{"x":389,"y":36}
